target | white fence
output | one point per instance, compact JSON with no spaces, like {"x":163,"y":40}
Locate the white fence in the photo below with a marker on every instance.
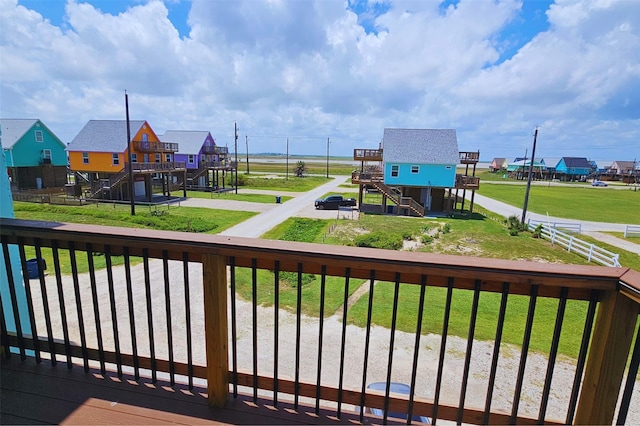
{"x":576,"y":245}
{"x":632,"y":231}
{"x":569,"y":226}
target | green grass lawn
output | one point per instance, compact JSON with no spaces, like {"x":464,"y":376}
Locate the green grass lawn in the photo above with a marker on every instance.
{"x":483,"y":236}
{"x":172,"y":218}
{"x":293,"y":184}
{"x":312,"y":168}
{"x":580,"y":203}
{"x":231,"y":195}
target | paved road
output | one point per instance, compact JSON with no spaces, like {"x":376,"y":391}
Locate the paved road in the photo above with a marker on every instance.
{"x":261,"y":223}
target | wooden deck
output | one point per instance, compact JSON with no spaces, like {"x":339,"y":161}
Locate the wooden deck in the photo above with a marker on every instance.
{"x":42,"y":394}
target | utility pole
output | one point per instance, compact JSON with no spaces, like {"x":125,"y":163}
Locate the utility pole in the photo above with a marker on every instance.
{"x":132,"y":193}
{"x":235,"y":132}
{"x":287,"y":159}
{"x":327,"y":158}
{"x":526,"y":194}
{"x":246,"y":142}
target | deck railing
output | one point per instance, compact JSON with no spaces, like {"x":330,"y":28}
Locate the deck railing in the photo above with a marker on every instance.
{"x":242,"y":314}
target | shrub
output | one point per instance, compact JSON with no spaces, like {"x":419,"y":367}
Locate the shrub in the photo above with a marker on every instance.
{"x":514,"y":225}
{"x":537,"y":233}
{"x":291,"y":278}
{"x":446,"y":228}
{"x":426,"y":239}
{"x":407,"y":235}
{"x":380,"y":240}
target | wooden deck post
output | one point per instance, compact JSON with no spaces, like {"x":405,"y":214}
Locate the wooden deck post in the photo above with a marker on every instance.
{"x":214,"y":281}
{"x":608,"y":352}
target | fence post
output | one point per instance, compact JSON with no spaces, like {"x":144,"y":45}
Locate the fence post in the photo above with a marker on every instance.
{"x":214,"y":281}
{"x":570,"y":244}
{"x":607,"y":359}
{"x":553,"y":236}
{"x":590,"y":253}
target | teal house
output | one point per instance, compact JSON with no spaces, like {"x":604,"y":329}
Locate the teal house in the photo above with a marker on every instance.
{"x":421,"y":163}
{"x":36,"y":158}
{"x":571,"y":168}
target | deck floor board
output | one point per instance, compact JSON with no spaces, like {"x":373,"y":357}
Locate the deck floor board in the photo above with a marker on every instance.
{"x":40,"y":393}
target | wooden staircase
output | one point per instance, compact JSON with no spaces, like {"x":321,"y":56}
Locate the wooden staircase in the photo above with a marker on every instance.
{"x":402,"y":202}
{"x":375,"y":179}
{"x":107,"y":184}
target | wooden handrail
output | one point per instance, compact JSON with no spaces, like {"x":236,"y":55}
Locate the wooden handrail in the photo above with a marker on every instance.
{"x":619,"y":289}
{"x":579,"y":278}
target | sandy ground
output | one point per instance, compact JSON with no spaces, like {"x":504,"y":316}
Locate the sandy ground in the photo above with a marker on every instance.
{"x":378,"y":358}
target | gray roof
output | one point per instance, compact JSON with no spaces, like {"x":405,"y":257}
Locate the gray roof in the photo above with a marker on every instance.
{"x":104,"y":136}
{"x":580,"y":162}
{"x":422,"y":146}
{"x":14,"y":129}
{"x":189,"y":141}
{"x":551,"y":162}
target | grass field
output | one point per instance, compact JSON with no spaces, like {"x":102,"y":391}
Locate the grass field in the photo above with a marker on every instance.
{"x":313,"y":168}
{"x":482,"y":236}
{"x":231,"y":195}
{"x":281,"y":183}
{"x":173,"y":218}
{"x":580,"y":203}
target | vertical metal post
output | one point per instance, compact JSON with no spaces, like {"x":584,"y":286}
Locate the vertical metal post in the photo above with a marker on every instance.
{"x":526,"y":195}
{"x":132,"y":194}
{"x":327,"y":158}
{"x":235,"y":134}
{"x":287,"y":159}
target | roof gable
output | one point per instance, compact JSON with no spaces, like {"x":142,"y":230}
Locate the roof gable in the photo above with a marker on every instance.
{"x":105,"y":136}
{"x":14,"y":129}
{"x":189,"y":141}
{"x":420,"y":146}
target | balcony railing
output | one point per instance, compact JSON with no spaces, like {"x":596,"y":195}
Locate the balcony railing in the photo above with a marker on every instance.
{"x":367,"y":154}
{"x":158,"y":167}
{"x":467,"y":182}
{"x":467,"y":157}
{"x":150,"y":146}
{"x":240,"y":313}
{"x":215,"y":150}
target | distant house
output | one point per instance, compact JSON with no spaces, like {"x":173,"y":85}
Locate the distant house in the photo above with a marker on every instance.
{"x":599,"y":167}
{"x":498,"y":164}
{"x":198,"y":150}
{"x":35,"y":156}
{"x":571,"y":168}
{"x":622,"y":167}
{"x":520,"y":169}
{"x":418,"y":167}
{"x":99,"y":152}
{"x":626,"y":171}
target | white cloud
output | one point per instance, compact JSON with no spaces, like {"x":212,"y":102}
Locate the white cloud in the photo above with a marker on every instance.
{"x":310,"y":69}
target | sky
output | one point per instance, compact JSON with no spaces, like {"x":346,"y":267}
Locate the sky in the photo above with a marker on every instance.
{"x":343,"y":70}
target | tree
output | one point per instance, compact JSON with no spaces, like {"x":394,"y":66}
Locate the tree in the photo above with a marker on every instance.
{"x":300,"y":169}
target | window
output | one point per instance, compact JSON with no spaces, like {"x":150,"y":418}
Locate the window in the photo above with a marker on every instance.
{"x":191,"y":159}
{"x":46,"y":154}
{"x":145,"y":137}
{"x":116,"y":159}
{"x":134,"y":158}
{"x":85,"y":158}
{"x":395,"y":171}
{"x":158,"y":158}
{"x":168,"y":158}
{"x":415,"y":169}
{"x":39,"y":137}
